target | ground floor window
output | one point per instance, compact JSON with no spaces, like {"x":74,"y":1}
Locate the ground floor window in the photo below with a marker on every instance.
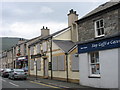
{"x":32,"y":64}
{"x":38,"y":64}
{"x":94,"y":64}
{"x":58,"y":63}
{"x":74,"y":63}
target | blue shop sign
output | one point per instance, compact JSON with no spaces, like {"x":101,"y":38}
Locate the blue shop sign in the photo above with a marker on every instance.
{"x":99,"y":45}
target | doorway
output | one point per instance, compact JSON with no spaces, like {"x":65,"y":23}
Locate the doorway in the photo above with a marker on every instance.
{"x":45,"y":68}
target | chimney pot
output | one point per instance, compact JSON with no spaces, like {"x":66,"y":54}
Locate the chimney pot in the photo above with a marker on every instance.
{"x":71,"y":11}
{"x":72,"y":17}
{"x":43,"y":27}
{"x":74,"y":12}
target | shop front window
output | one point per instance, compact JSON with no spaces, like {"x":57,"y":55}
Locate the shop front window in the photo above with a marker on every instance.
{"x":94,"y":64}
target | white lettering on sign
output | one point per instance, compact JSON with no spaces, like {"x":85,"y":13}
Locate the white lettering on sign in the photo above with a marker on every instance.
{"x":83,"y":47}
{"x":21,"y":58}
{"x":105,"y":43}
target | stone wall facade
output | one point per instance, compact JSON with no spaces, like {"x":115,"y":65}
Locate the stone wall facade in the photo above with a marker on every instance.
{"x":86,"y":29}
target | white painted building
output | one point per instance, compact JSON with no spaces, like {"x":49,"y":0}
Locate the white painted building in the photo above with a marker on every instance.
{"x":99,"y":62}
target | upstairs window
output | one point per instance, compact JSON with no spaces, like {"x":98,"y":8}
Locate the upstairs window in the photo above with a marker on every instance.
{"x":99,"y":28}
{"x":31,"y":50}
{"x":38,"y":48}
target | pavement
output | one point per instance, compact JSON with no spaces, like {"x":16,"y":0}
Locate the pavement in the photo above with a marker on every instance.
{"x":61,"y":84}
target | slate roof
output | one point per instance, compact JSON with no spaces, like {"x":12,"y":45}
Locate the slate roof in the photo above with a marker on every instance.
{"x":49,"y":36}
{"x":56,"y":33}
{"x":64,"y":45}
{"x":8,"y":42}
{"x":100,"y":8}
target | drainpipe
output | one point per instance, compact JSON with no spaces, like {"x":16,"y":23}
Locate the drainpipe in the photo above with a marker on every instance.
{"x":28,"y":60}
{"x":51,"y":58}
{"x":66,"y":54}
{"x":12,"y":59}
{"x":36,"y":68}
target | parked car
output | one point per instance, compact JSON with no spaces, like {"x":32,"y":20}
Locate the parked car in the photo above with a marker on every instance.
{"x":1,"y":71}
{"x":18,"y":74}
{"x":5,"y":72}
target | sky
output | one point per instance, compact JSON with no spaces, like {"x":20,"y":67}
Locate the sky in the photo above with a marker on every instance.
{"x":25,"y":19}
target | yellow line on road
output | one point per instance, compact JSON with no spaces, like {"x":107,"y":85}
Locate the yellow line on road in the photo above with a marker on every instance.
{"x":44,"y":84}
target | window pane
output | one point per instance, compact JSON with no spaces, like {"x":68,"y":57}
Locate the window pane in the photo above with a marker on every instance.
{"x":102,"y":31}
{"x":92,"y":58}
{"x":97,"y":57}
{"x":101,"y":23}
{"x":93,"y":69}
{"x":97,"y":69}
{"x":97,"y":24}
{"x":98,"y":31}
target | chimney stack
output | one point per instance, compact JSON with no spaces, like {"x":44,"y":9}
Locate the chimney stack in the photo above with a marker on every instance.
{"x":45,"y":31}
{"x":21,"y":40}
{"x":72,"y":17}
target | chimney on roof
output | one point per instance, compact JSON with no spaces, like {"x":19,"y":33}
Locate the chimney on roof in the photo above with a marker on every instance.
{"x":72,"y":17}
{"x":45,"y":31}
{"x":21,"y":40}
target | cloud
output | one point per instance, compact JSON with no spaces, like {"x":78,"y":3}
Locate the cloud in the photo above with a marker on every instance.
{"x":30,"y":30}
{"x":56,"y":0}
{"x":45,"y":9}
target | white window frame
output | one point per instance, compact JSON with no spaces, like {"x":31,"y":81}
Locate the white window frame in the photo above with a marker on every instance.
{"x":38,"y":48}
{"x":90,"y":64}
{"x":32,"y":50}
{"x":45,"y":46}
{"x":96,"y":29}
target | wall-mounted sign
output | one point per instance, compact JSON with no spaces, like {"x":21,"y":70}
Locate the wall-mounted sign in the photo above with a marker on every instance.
{"x":99,"y":45}
{"x":35,"y":56}
{"x":22,"y":58}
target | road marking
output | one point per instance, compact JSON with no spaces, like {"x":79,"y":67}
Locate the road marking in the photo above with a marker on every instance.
{"x":14,"y":84}
{"x":44,"y":84}
{"x":59,"y":85}
{"x":3,"y":80}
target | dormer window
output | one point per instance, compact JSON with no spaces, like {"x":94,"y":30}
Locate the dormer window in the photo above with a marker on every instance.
{"x":99,"y":28}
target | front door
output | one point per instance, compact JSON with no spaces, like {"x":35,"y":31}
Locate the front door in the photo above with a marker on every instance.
{"x":45,"y":68}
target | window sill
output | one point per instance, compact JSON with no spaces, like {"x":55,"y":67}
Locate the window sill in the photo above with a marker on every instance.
{"x":75,"y":70}
{"x":99,"y":36}
{"x":94,"y":77}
